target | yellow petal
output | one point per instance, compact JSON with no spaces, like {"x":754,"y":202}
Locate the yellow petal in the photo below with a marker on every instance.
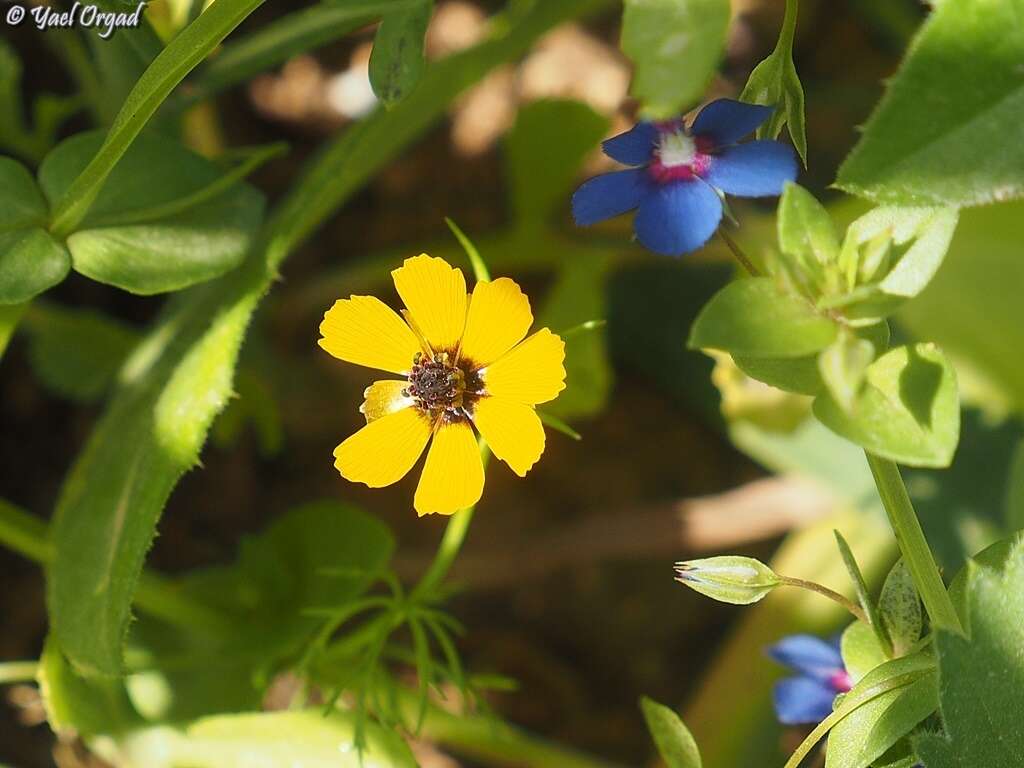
{"x":453,"y":475}
{"x":512,"y":430}
{"x":499,"y":317}
{"x":366,"y":331}
{"x":384,"y":397}
{"x":531,"y":373}
{"x":383,"y":452}
{"x":435,"y":294}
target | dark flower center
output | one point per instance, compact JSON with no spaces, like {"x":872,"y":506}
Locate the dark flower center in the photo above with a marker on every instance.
{"x":441,"y":387}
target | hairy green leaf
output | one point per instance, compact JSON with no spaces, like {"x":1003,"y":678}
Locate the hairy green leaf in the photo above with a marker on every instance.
{"x":908,"y":410}
{"x":30,"y":259}
{"x":675,"y":46}
{"x":981,"y":678}
{"x":775,"y":82}
{"x":163,"y":221}
{"x":957,"y":96}
{"x":754,"y":317}
{"x":671,"y":736}
{"x":397,"y":62}
{"x":899,"y":608}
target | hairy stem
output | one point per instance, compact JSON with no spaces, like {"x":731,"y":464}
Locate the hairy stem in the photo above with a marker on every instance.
{"x":913,"y":544}
{"x":852,"y":607}
{"x":741,"y":257}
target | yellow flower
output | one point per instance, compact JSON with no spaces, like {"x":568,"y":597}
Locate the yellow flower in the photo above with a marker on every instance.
{"x":465,"y":363}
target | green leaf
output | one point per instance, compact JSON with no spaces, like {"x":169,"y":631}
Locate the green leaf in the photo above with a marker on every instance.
{"x":77,"y":352}
{"x":321,"y":556}
{"x":296,"y":739}
{"x":169,"y":68}
{"x":755,"y":317}
{"x":543,"y":155}
{"x":981,"y":678}
{"x":75,"y":704}
{"x":671,"y":736}
{"x":30,"y":260}
{"x":803,"y":375}
{"x":956,"y":96}
{"x":869,"y":731}
{"x":806,"y":231}
{"x":775,"y":82}
{"x":163,"y":221}
{"x":843,"y":366}
{"x":861,"y":650}
{"x":10,"y":316}
{"x":397,"y":62}
{"x":1015,"y":491}
{"x":863,"y":597}
{"x":899,"y":608}
{"x":577,"y":296}
{"x":675,"y":46}
{"x":908,"y":410}
{"x":980,"y":277}
{"x":180,"y":375}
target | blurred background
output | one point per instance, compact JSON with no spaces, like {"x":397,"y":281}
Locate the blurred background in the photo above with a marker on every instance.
{"x":565,"y":582}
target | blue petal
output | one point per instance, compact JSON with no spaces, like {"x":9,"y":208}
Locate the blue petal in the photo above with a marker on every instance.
{"x":802,"y":700}
{"x":808,"y":654}
{"x":634,"y":147}
{"x":609,"y":195}
{"x":678,"y":217}
{"x":727,"y":121}
{"x":754,"y":169}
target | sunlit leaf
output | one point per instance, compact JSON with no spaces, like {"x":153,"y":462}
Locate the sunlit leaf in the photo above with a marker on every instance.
{"x":673,"y":739}
{"x":957,"y":96}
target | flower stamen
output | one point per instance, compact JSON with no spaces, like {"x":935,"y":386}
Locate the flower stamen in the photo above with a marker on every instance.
{"x":440,"y":387}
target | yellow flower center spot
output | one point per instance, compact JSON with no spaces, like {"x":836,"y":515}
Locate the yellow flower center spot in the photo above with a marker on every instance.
{"x":440,"y":387}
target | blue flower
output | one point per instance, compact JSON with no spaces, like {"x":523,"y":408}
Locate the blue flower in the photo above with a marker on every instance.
{"x":682,"y":173}
{"x":808,"y":696}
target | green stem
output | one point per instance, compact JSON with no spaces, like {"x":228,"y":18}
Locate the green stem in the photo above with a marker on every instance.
{"x":18,"y":672}
{"x":832,"y":595}
{"x":913,"y":544}
{"x":741,"y":257}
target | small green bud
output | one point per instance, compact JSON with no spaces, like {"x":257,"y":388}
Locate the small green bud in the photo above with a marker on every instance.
{"x":729,"y":578}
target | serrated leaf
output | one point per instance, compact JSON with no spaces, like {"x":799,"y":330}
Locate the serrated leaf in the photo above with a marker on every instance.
{"x":899,"y":608}
{"x":120,"y":243}
{"x":908,"y":410}
{"x":544,"y":152}
{"x":774,"y":82}
{"x":981,"y":678}
{"x":675,"y":46}
{"x":872,"y":729}
{"x":755,"y":317}
{"x":671,"y":736}
{"x":30,"y":259}
{"x":957,"y":95}
{"x":397,"y":60}
{"x":843,"y":365}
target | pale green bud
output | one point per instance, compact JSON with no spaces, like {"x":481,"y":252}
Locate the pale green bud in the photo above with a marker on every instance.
{"x":729,"y":578}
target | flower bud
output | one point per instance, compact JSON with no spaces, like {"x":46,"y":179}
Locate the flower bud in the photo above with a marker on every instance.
{"x":729,"y":578}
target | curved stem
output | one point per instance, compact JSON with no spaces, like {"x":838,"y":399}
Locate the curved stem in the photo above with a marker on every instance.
{"x":852,"y":607}
{"x":912,"y":543}
{"x":741,"y":257}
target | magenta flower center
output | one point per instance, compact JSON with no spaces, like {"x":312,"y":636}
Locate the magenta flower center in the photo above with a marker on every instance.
{"x":841,"y":681}
{"x":679,"y":156}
